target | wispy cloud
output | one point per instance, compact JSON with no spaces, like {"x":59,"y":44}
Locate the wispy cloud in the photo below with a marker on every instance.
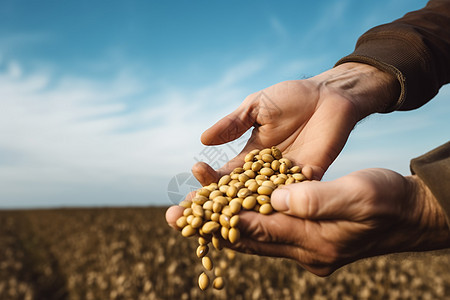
{"x":80,"y":132}
{"x":332,"y":15}
{"x":278,"y":27}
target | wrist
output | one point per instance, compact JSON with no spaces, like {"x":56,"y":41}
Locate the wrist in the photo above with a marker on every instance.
{"x":368,"y":88}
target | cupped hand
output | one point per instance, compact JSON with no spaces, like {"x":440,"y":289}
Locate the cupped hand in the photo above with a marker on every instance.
{"x":325,"y":225}
{"x":308,"y":120}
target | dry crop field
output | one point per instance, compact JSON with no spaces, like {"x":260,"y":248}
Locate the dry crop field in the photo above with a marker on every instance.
{"x":130,"y":253}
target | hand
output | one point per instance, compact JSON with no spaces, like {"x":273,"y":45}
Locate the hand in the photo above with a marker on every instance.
{"x":308,"y":120}
{"x":325,"y":225}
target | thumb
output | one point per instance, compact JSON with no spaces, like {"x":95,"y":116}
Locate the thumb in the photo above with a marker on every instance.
{"x":314,"y":200}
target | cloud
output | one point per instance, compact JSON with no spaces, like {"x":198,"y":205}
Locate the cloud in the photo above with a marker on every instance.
{"x":332,"y":15}
{"x":73,"y":138}
{"x":279,"y":29}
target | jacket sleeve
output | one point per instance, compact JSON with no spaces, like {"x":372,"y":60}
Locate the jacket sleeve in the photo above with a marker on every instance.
{"x":434,"y":169}
{"x":414,"y":48}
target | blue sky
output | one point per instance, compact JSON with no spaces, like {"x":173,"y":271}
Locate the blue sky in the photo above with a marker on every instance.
{"x":103,"y":103}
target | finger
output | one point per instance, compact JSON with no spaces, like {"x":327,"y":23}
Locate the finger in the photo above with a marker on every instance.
{"x":310,"y":261}
{"x":230,"y":127}
{"x":280,"y":235}
{"x":172,"y":215}
{"x":275,"y":228}
{"x":317,"y":200}
{"x":269,"y":235}
{"x":312,"y":172}
{"x":204,"y":173}
{"x":251,"y":246}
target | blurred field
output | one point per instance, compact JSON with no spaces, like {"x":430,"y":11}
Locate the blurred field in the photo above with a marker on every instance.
{"x":130,"y":253}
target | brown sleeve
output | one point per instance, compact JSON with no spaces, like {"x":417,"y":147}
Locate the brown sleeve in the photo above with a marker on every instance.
{"x":415,"y":48}
{"x":434,"y":170}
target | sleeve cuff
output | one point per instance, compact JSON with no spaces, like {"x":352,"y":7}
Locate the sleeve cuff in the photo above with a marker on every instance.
{"x":384,"y":67}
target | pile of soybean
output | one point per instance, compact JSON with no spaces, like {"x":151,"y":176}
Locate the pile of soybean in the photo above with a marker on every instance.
{"x":213,"y":213}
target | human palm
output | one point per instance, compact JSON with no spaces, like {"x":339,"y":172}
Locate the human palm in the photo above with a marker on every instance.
{"x":308,"y":122}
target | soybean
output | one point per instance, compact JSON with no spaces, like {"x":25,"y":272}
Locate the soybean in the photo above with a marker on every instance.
{"x":203,"y":281}
{"x":207,"y":263}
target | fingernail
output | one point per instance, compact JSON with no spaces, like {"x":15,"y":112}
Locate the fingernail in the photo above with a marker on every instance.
{"x":280,"y":199}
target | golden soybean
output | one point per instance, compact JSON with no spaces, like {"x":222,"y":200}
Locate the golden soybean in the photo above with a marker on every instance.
{"x":200,"y":200}
{"x":263,"y":199}
{"x":218,"y":283}
{"x":224,"y":188}
{"x":238,"y":170}
{"x":203,"y":192}
{"x":187,"y":212}
{"x":239,"y":185}
{"x":217,"y":207}
{"x":215,"y":217}
{"x":253,"y":186}
{"x":216,"y":243}
{"x":188,"y":231}
{"x":265,"y":190}
{"x":244,"y":192}
{"x":215,"y":194}
{"x":265,"y":151}
{"x":256,"y":166}
{"x":210,"y":227}
{"x":243,"y":177}
{"x":289,"y":180}
{"x":299,"y":177}
{"x":203,"y":281}
{"x":181,"y":222}
{"x":207,"y":263}
{"x":275,"y":165}
{"x":202,"y":241}
{"x":247,"y":166}
{"x":283,"y":168}
{"x":224,"y":220}
{"x":198,"y":211}
{"x":189,"y":219}
{"x":266,"y":209}
{"x":249,"y":157}
{"x":250,"y":173}
{"x":226,"y":211}
{"x":185,"y":203}
{"x":235,"y":206}
{"x":197,"y":222}
{"x":232,"y":191}
{"x":295,"y":169}
{"x":208,"y":205}
{"x":249,"y":202}
{"x":234,"y":221}
{"x":224,"y":180}
{"x":266,"y":171}
{"x":234,"y":235}
{"x":224,"y":232}
{"x":276,"y":153}
{"x":286,"y":161}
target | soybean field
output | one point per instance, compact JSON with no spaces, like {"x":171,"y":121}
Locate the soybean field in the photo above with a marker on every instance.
{"x":130,"y":253}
